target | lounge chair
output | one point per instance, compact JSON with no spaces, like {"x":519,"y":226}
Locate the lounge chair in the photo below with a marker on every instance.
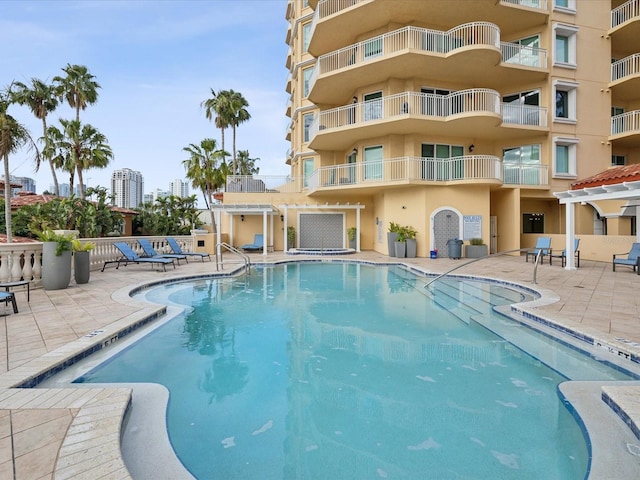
{"x":258,"y":243}
{"x":543,"y":247}
{"x":632,"y":260}
{"x":150,"y":252}
{"x":563,"y":255}
{"x":129,"y":256}
{"x":176,"y":248}
{"x":7,"y":297}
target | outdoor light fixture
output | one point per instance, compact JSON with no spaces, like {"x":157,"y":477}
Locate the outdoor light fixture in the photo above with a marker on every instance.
{"x":282,"y":218}
{"x":242,"y":218}
{"x":377,"y":221}
{"x":354,"y":151}
{"x":471,"y":147}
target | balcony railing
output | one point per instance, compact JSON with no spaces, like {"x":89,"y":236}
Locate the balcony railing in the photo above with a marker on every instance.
{"x":530,"y":115}
{"x":628,"y":122}
{"x":326,"y":8}
{"x":534,"y":175}
{"x":403,"y":169}
{"x":625,"y":12}
{"x":537,"y":4}
{"x":426,"y":40}
{"x":261,"y":184}
{"x":626,"y":67}
{"x":408,"y":103}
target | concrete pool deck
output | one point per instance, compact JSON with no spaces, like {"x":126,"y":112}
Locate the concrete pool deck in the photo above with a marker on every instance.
{"x":75,"y":432}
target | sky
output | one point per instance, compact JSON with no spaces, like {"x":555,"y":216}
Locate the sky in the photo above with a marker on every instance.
{"x":156,"y":61}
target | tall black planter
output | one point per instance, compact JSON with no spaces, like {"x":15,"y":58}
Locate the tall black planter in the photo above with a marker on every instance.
{"x":81,"y":267}
{"x":391,"y":243}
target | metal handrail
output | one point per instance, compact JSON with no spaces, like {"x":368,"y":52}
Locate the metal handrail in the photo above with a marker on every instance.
{"x":535,"y":266}
{"x":245,"y":258}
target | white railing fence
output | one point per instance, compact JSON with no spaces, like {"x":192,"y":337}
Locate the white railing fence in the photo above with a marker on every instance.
{"x":537,"y":4}
{"x":534,"y":175}
{"x":625,"y":122}
{"x":625,"y":67}
{"x":23,"y":261}
{"x":625,"y":12}
{"x":260,"y":184}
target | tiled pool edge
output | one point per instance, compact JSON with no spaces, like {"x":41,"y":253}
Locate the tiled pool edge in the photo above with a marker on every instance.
{"x":625,"y":402}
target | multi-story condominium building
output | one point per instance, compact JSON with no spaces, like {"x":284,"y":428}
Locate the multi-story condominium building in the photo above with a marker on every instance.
{"x":179,"y":188}
{"x":460,"y":118}
{"x":127,"y":187}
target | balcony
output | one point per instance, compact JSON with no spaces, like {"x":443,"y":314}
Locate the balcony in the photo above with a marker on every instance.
{"x":485,"y":169}
{"x":625,"y":26}
{"x":472,"y":50}
{"x":339,"y":22}
{"x":474,"y":113}
{"x":625,"y":129}
{"x":262,"y":184}
{"x":525,"y":175}
{"x":625,"y":78}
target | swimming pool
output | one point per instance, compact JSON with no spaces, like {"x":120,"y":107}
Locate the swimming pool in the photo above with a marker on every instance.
{"x":345,"y":370}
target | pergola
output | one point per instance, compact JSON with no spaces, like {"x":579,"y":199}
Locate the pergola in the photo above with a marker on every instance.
{"x":629,"y":191}
{"x":233,"y":210}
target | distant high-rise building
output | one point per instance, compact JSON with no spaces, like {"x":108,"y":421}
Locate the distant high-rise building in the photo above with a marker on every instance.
{"x":127,"y":187}
{"x":179,"y":188}
{"x":28,"y":184}
{"x":64,"y":189}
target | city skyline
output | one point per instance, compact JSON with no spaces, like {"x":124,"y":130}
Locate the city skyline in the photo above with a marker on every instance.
{"x":155,"y":63}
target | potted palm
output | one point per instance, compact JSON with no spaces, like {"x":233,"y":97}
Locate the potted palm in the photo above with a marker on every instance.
{"x":476,"y":249}
{"x":392,"y":236}
{"x":351,"y":235}
{"x":56,"y":259}
{"x":410,"y":236}
{"x":291,"y":237}
{"x":400,"y":245}
{"x":81,"y":260}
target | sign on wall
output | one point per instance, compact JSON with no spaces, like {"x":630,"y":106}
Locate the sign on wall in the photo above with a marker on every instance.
{"x":471,"y":227}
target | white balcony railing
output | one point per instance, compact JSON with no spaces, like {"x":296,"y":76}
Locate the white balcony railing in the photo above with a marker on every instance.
{"x":403,"y":169}
{"x":327,"y":8}
{"x":534,"y":175}
{"x":628,"y":122}
{"x":626,"y":67}
{"x":530,"y":115}
{"x":537,"y":4}
{"x":426,"y":40}
{"x":625,"y":12}
{"x":408,"y":103}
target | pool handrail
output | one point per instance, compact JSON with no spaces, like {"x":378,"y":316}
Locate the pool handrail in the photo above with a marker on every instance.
{"x":535,"y":265}
{"x":245,"y":258}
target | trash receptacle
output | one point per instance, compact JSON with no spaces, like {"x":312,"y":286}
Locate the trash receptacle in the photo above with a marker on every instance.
{"x":455,"y":248}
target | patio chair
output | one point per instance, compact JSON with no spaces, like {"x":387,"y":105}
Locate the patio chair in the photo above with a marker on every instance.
{"x":176,"y":248}
{"x":150,"y":252}
{"x":632,"y":260}
{"x":129,"y":256}
{"x":7,"y":297}
{"x":543,"y":247}
{"x":258,"y":243}
{"x":563,"y":255}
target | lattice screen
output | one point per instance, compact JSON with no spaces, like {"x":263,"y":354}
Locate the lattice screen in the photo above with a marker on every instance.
{"x":322,"y":230}
{"x":446,"y":226}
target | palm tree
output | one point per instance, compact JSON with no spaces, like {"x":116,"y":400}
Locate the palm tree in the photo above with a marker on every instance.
{"x":78,"y":148}
{"x":246,"y":164}
{"x":204,"y":172}
{"x":238,"y":114}
{"x":13,"y":136}
{"x":218,"y":108}
{"x":41,"y":99}
{"x":78,"y":88}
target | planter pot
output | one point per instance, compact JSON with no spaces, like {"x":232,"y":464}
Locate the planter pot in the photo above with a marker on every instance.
{"x":401,"y":249}
{"x":475,"y":251}
{"x":81,"y":267}
{"x":391,"y":241}
{"x":352,"y":244}
{"x":412,"y":248}
{"x":56,"y":269}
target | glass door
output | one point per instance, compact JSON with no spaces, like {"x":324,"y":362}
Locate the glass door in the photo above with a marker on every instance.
{"x":373,"y":106}
{"x":373,"y":163}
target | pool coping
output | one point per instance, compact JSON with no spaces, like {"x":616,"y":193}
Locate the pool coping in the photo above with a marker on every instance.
{"x":15,"y":394}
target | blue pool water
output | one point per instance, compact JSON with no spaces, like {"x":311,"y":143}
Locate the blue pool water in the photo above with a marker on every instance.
{"x":350,"y":371}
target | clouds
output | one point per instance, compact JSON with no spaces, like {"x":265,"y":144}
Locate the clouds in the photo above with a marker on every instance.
{"x":156,"y":62}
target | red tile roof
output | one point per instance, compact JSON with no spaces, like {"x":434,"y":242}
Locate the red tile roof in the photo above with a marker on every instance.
{"x":625,"y":173}
{"x":30,"y":198}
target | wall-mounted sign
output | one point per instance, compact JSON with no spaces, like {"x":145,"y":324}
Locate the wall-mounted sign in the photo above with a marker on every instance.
{"x":472,"y":227}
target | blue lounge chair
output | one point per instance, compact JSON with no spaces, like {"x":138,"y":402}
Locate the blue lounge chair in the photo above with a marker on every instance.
{"x":632,"y":260}
{"x":543,"y":247}
{"x":563,"y":255}
{"x":129,"y":256}
{"x":7,"y":297}
{"x":258,"y":243}
{"x":176,"y":248}
{"x":150,"y":252}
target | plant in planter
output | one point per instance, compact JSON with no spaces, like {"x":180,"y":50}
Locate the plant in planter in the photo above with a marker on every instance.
{"x":476,"y":249}
{"x":81,"y":260}
{"x":351,"y":235}
{"x":410,"y":236}
{"x":392,"y":236}
{"x":56,"y":259}
{"x":400,"y":245}
{"x":291,"y":237}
